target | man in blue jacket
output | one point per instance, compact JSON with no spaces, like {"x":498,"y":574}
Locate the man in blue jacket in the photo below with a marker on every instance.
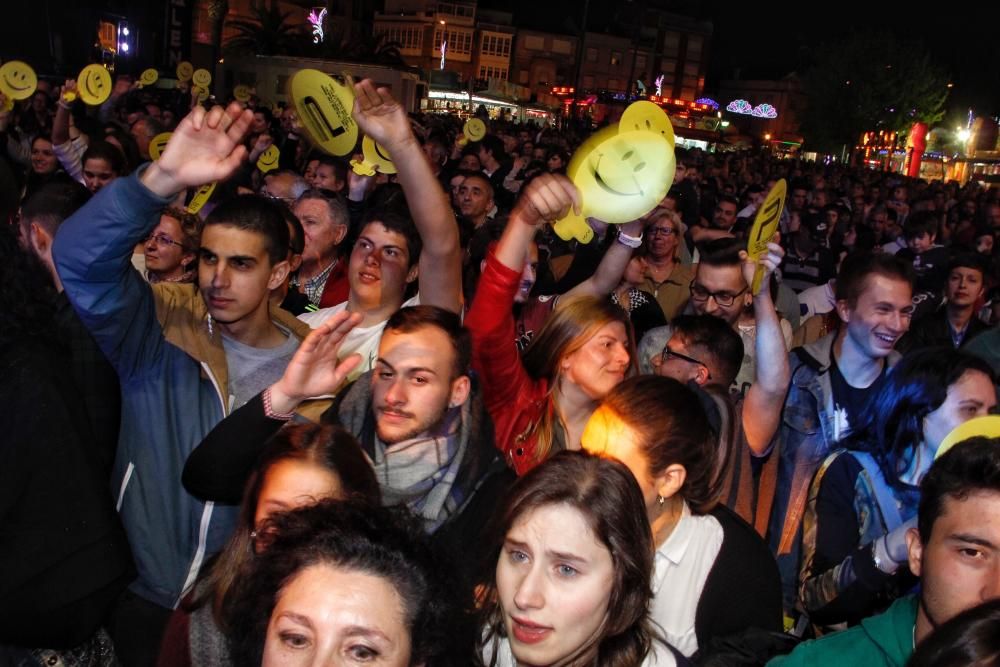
{"x":186,"y":355}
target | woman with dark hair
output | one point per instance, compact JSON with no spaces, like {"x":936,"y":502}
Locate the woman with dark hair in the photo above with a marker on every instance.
{"x":125,"y":143}
{"x":714,"y":575}
{"x":864,"y":496}
{"x":971,"y":639}
{"x":570,"y":559}
{"x":301,"y":465}
{"x":102,"y":163}
{"x":540,"y":401}
{"x":63,"y":553}
{"x":44,"y":167}
{"x":342,"y":583}
{"x":557,"y":161}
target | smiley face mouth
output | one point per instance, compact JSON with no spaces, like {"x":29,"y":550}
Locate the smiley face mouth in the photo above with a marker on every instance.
{"x":610,"y":190}
{"x":13,"y":87}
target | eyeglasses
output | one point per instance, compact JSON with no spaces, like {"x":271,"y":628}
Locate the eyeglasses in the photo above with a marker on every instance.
{"x":661,"y":231}
{"x":724,"y":299}
{"x":162,"y":240}
{"x":670,"y":354}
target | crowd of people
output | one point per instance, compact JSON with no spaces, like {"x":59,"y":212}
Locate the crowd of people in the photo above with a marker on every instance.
{"x":336,"y":418}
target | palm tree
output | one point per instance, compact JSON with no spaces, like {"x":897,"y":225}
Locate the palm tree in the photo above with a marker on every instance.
{"x":267,"y":33}
{"x":375,"y":49}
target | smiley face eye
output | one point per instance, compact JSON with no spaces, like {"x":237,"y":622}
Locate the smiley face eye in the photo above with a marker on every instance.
{"x":627,"y":155}
{"x":639,"y":166}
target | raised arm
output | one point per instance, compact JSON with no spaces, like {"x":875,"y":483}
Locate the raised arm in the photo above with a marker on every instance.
{"x":609,"y":272}
{"x":383,"y":119}
{"x":219,"y":467}
{"x":766,"y":396}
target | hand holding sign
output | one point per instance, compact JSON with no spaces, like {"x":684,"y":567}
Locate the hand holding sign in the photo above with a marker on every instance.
{"x":622,"y":171}
{"x":324,"y":109}
{"x":760,"y":248}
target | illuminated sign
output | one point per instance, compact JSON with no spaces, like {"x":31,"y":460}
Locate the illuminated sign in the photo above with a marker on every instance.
{"x":762,"y":110}
{"x":708,"y":101}
{"x":316,"y":18}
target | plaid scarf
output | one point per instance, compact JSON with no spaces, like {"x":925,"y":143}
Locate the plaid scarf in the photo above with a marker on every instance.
{"x":420,"y":472}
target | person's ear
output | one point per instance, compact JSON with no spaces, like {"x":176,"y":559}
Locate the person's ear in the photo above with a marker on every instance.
{"x":294,"y":262}
{"x":279,"y":273}
{"x":40,"y":239}
{"x":670,"y":480}
{"x":413,"y":273}
{"x":843,"y":310}
{"x":340,"y":234}
{"x":460,"y":389}
{"x":187,"y":259}
{"x":702,"y":376}
{"x":914,"y":551}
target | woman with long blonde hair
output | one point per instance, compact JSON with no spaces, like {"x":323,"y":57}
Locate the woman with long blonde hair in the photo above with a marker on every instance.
{"x":541,"y":404}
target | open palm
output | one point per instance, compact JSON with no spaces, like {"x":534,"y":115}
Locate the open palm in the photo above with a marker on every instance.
{"x":315,"y":370}
{"x":206,"y":147}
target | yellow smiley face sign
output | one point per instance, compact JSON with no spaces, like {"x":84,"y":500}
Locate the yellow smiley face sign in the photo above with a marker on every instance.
{"x":158,"y":143}
{"x":200,"y":198}
{"x":765,"y":226}
{"x":185,"y":71}
{"x":987,"y":426}
{"x":201,"y":78}
{"x":474,"y":129}
{"x":643,"y":115}
{"x":17,"y":80}
{"x":94,"y":85}
{"x":148,"y":77}
{"x":241,"y":93}
{"x":377,"y":156}
{"x":268,"y":160}
{"x":324,"y":108}
{"x":621,"y":175}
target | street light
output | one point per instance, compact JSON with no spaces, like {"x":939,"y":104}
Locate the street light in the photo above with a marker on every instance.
{"x":964,"y":134}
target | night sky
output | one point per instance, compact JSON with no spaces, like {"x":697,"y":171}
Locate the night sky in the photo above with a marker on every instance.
{"x":772,"y":39}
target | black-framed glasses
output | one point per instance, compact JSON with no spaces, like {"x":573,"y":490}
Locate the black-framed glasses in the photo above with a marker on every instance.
{"x":724,"y":299}
{"x":661,"y":231}
{"x":163,"y":240}
{"x":671,"y":354}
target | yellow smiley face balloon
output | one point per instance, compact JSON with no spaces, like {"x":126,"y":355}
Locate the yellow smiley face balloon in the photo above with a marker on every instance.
{"x":185,"y":71}
{"x":148,"y":77}
{"x":201,"y":78}
{"x":377,"y":156}
{"x":94,"y":85}
{"x":621,"y":176}
{"x":268,"y":160}
{"x":474,"y":129}
{"x":17,"y":80}
{"x":158,"y":143}
{"x":643,"y":115}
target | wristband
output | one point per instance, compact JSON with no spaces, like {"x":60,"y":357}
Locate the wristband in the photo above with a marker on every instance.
{"x":269,"y":411}
{"x":629,"y":241}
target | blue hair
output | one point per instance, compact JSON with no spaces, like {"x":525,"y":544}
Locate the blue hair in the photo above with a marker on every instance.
{"x":918,"y":385}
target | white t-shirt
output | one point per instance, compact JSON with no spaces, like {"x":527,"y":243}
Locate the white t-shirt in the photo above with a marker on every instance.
{"x":680,"y":571}
{"x":360,"y":340}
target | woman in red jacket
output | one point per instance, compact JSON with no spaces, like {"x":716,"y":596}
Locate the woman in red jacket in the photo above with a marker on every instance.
{"x":541,"y":403}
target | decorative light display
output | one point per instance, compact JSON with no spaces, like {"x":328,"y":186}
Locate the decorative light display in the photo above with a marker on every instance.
{"x":316,"y":19}
{"x":764,"y":111}
{"x":659,"y":85}
{"x":444,"y":50}
{"x":740,"y":106}
{"x":708,"y":101}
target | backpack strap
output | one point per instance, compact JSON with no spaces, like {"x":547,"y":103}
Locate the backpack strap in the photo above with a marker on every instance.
{"x":883,"y":493}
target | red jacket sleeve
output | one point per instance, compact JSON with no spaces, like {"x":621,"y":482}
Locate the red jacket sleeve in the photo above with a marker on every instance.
{"x":494,"y":351}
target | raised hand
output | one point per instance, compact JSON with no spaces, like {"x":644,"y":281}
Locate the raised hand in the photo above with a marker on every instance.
{"x":548,"y":197}
{"x":770,"y":262}
{"x":380,"y":116}
{"x":315,"y":369}
{"x":204,"y":148}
